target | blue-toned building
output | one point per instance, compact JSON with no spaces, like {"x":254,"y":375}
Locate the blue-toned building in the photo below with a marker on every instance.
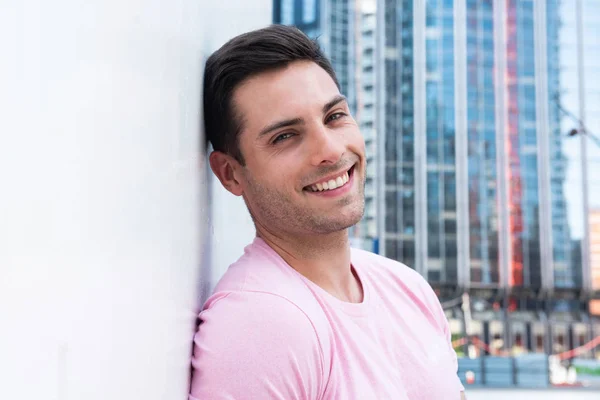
{"x":305,"y":14}
{"x":482,"y":148}
{"x":397,"y":227}
{"x":564,"y":152}
{"x":441,"y":262}
{"x":473,"y":180}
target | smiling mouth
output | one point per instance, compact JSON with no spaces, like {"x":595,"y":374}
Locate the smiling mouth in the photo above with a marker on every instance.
{"x":333,"y":183}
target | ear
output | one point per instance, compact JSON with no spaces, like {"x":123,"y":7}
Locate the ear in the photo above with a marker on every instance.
{"x":226,"y":168}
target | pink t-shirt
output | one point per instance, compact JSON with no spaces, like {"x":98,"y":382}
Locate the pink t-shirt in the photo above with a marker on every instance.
{"x":267,"y":332}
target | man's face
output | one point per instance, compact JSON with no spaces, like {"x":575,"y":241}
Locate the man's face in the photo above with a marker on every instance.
{"x":305,"y":157}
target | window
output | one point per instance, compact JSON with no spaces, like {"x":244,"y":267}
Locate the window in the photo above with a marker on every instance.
{"x":391,"y":249}
{"x":309,"y":12}
{"x":518,"y":339}
{"x":408,"y":177}
{"x":434,"y":276}
{"x":450,"y":227}
{"x":390,"y":176}
{"x":287,"y":12}
{"x":539,"y":342}
{"x":434,"y":247}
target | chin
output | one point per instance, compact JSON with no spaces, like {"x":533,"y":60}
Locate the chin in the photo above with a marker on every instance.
{"x":355,"y":219}
{"x":345,"y":221}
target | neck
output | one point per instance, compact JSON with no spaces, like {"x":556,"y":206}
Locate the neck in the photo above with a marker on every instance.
{"x":323,"y":259}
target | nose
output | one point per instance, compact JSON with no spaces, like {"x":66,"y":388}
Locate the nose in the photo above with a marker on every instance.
{"x":327,"y":146}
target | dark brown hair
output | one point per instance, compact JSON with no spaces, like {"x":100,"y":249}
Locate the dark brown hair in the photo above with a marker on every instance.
{"x":242,"y":57}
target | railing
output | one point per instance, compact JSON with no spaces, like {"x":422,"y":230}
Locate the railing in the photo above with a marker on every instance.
{"x":532,"y":370}
{"x":529,"y":370}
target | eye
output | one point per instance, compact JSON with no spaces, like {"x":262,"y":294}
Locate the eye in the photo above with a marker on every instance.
{"x":335,"y":116}
{"x":282,"y":137}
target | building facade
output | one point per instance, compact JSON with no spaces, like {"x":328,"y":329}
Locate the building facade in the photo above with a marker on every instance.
{"x":479,"y":117}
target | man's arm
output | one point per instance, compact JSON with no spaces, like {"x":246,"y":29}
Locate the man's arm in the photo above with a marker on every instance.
{"x":445,"y":326}
{"x":256,"y":346}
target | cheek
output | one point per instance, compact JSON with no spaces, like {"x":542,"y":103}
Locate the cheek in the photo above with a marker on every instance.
{"x":353,"y":134}
{"x":357,"y":141}
{"x":275,"y":180}
{"x":277,"y":174}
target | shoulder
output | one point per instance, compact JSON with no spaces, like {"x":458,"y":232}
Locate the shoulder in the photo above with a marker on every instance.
{"x":260,"y":279}
{"x":260,"y":338}
{"x":260,"y":269}
{"x":256,"y":314}
{"x":261,"y":291}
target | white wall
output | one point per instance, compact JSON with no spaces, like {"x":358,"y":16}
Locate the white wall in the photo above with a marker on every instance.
{"x":102,"y":218}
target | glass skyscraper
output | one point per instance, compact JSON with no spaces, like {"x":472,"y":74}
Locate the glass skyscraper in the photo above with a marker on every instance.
{"x":482,"y":148}
{"x":589,"y":113}
{"x":305,"y":14}
{"x":397,"y":225}
{"x":440,"y":142}
{"x":420,"y":130}
{"x":523,"y":147}
{"x":566,"y":185}
{"x":478,"y":117}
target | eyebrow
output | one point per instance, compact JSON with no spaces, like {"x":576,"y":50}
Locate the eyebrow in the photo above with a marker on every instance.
{"x":279,"y":125}
{"x":299,"y":121}
{"x":336,"y":100}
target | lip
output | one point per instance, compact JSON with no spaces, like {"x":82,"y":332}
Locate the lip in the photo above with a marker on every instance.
{"x":337,"y":191}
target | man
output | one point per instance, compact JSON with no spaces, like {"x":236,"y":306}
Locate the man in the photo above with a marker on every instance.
{"x":301,"y":315}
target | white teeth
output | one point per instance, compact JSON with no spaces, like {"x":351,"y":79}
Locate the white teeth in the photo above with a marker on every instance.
{"x":331,"y":184}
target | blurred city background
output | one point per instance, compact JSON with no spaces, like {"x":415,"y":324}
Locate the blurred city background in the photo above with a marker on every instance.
{"x":481,"y":121}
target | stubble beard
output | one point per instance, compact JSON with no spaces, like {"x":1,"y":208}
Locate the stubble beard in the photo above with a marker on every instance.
{"x":278,"y":212}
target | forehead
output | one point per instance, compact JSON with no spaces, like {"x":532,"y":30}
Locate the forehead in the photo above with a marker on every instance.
{"x":290,"y":92}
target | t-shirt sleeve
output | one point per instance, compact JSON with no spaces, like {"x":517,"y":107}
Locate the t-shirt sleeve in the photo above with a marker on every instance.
{"x":443,"y":323}
{"x":448,"y":334}
{"x":253,"y":345}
